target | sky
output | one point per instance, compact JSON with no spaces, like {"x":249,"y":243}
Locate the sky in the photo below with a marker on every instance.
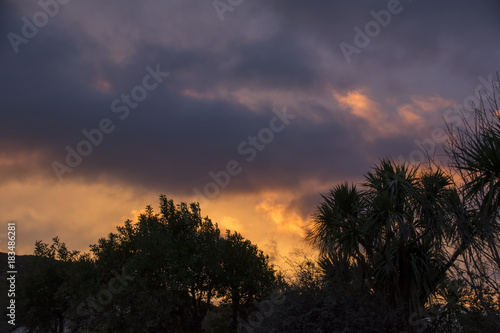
{"x":252,"y":108}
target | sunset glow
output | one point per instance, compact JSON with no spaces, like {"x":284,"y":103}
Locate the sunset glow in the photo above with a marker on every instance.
{"x":94,"y":129}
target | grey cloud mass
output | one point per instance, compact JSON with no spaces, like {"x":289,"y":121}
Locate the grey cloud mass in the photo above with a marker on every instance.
{"x":225,"y":78}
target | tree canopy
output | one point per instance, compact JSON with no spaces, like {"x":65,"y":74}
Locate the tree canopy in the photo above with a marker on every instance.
{"x":162,"y":273}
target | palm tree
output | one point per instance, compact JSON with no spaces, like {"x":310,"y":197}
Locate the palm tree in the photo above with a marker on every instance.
{"x":474,"y":153}
{"x":398,"y":229}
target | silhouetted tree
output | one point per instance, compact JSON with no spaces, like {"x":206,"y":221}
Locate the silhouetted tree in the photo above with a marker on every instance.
{"x":473,"y":147}
{"x":247,"y":274}
{"x":170,"y":267}
{"x":48,"y":289}
{"x":398,"y":229}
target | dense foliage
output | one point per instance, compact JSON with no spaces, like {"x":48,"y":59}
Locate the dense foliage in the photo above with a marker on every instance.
{"x":161,"y":274}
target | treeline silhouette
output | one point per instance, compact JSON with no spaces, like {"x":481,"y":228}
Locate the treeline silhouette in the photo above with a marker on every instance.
{"x":161,"y":274}
{"x":414,"y":248}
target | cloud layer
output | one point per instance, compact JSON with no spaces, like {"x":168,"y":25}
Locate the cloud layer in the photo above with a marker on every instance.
{"x":225,"y":78}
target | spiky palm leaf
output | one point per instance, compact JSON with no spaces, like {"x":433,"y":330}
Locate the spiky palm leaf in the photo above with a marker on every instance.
{"x":395,"y":230}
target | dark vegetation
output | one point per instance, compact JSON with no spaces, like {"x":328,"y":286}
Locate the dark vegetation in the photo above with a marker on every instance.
{"x":23,"y":264}
{"x":411,"y":249}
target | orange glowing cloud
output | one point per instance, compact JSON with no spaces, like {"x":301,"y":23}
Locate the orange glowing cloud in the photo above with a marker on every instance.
{"x":362,"y":106}
{"x":431,"y":104}
{"x":413,"y":113}
{"x":80,"y":213}
{"x":197,"y":95}
{"x":77,"y":212}
{"x":359,"y":103}
{"x":381,"y":121}
{"x":409,"y":116}
{"x":232,"y":223}
{"x":277,"y":212}
{"x":102,"y":85}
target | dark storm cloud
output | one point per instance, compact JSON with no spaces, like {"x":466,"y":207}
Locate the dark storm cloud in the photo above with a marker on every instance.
{"x":448,"y":39}
{"x":189,"y":125}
